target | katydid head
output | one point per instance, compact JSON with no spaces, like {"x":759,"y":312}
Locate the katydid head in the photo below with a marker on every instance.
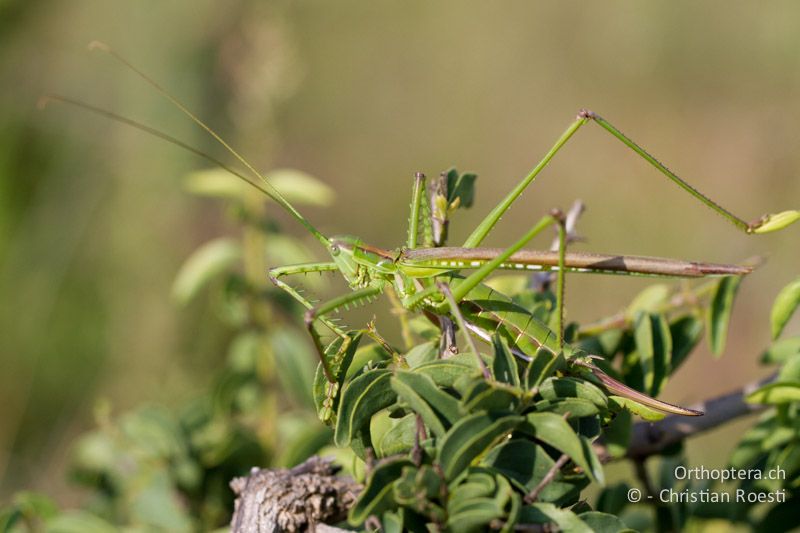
{"x":359,"y":263}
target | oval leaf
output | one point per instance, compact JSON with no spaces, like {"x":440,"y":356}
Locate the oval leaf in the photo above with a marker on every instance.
{"x":554,"y":431}
{"x":554,"y":389}
{"x":363,"y":397}
{"x":377,"y":495}
{"x":777,"y":221}
{"x":504,"y":365}
{"x":775,"y":393}
{"x":470,"y":437}
{"x":603,"y":522}
{"x":296,"y":186}
{"x":637,"y":408}
{"x":399,"y":438}
{"x":643,"y":335}
{"x":438,"y":409}
{"x":785,"y":305}
{"x":719,"y":312}
{"x":685,"y":333}
{"x":649,"y":300}
{"x":206,"y":263}
{"x":574,"y":407}
{"x":301,"y":188}
{"x":547,"y":513}
{"x":781,"y":351}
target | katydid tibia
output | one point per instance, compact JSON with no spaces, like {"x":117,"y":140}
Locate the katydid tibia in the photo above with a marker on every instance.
{"x":429,"y":280}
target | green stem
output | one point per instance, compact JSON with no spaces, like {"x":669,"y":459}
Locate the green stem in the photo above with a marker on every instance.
{"x":562,"y":250}
{"x":622,"y":320}
{"x":462,"y":325}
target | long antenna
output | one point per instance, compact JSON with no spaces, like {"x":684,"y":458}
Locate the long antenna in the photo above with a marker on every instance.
{"x":46,"y":99}
{"x":264,"y":186}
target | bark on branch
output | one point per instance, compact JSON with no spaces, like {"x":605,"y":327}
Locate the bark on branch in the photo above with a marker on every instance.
{"x":303,"y":498}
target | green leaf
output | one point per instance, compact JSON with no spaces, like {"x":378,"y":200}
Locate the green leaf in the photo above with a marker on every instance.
{"x":527,"y":463}
{"x":636,"y":408}
{"x":157,"y":505}
{"x":654,"y":347}
{"x":363,"y":397}
{"x":614,"y":498}
{"x":595,"y":466}
{"x":475,"y":516}
{"x":301,"y":188}
{"x":719,"y":312}
{"x":649,"y":300}
{"x":368,"y":355}
{"x":399,"y":438}
{"x":377,"y":495}
{"x":685,"y":333}
{"x":568,"y":387}
{"x":422,"y":353}
{"x":617,"y":434}
{"x":417,"y":488}
{"x":392,"y":523}
{"x":216,"y":183}
{"x":293,"y":364}
{"x":204,"y":265}
{"x":785,"y":305}
{"x":445,"y":372}
{"x":504,"y":365}
{"x":643,"y":335}
{"x":460,"y":187}
{"x":470,"y":437}
{"x":603,"y":522}
{"x":781,"y":351}
{"x":554,"y":431}
{"x":438,"y":409}
{"x":296,"y":186}
{"x":751,"y":446}
{"x":476,"y":484}
{"x":547,"y":513}
{"x":777,"y":221}
{"x":487,"y":396}
{"x":301,"y":439}
{"x":32,"y":504}
{"x":79,"y":522}
{"x":469,"y":510}
{"x":575,"y":407}
{"x":790,"y":372}
{"x":775,"y":393}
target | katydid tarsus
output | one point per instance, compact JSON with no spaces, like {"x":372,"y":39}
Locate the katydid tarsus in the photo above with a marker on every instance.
{"x":430,"y":280}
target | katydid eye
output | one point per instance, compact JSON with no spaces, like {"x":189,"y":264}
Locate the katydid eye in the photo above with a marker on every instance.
{"x":335,"y":249}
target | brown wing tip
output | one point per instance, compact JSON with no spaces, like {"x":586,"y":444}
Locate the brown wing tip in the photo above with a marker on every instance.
{"x":716,"y":269}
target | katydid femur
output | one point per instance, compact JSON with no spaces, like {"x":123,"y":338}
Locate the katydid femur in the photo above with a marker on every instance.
{"x":428,"y":279}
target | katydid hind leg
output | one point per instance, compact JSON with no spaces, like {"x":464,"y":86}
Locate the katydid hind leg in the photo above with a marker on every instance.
{"x":766,"y":223}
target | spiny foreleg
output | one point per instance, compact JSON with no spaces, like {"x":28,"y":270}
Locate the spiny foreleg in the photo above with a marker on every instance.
{"x":346,"y":301}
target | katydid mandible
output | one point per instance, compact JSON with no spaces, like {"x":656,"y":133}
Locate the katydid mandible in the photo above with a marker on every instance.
{"x":429,"y":280}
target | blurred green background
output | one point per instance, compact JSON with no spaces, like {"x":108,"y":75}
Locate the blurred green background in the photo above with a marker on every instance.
{"x":94,"y":224}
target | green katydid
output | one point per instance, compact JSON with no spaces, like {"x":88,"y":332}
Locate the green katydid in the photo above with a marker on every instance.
{"x":429,"y":280}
